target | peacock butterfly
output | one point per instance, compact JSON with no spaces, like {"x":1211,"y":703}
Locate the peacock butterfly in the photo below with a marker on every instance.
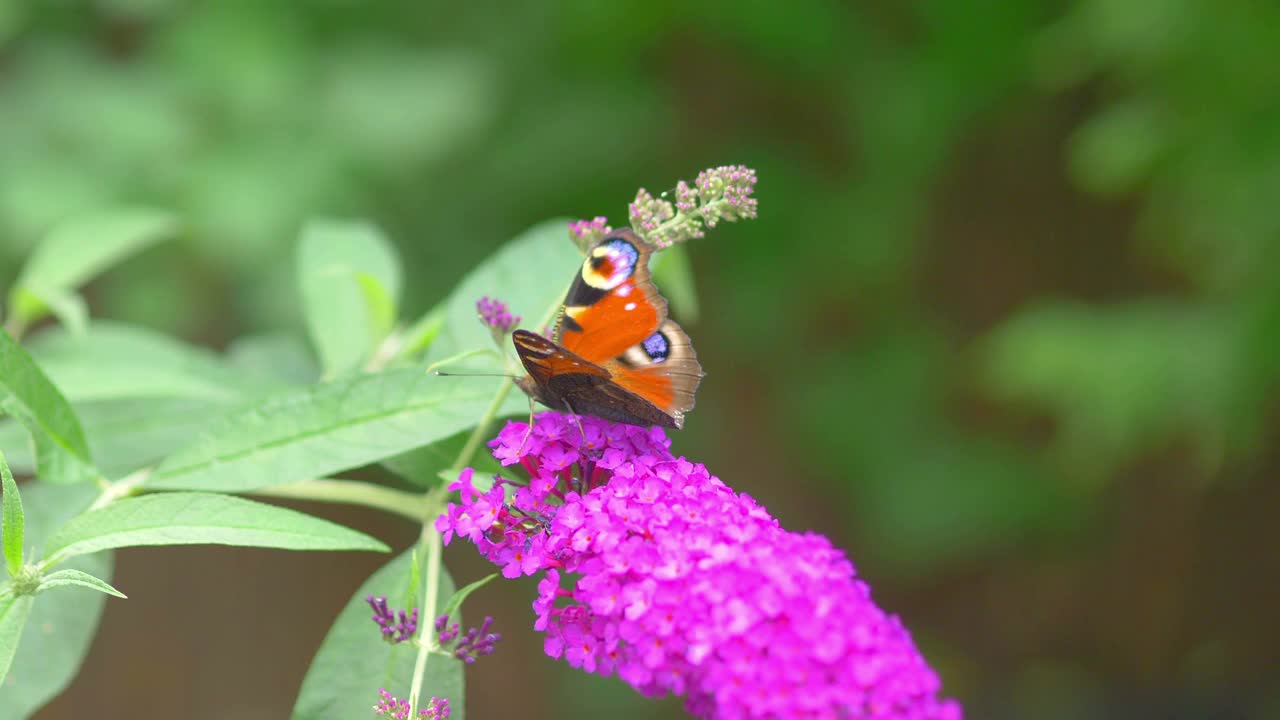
{"x":614,"y":353}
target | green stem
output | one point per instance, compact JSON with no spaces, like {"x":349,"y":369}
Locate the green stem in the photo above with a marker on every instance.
{"x":431,"y":539}
{"x":481,"y":430}
{"x":124,"y":487}
{"x":426,"y":627}
{"x":15,"y":327}
{"x":421,"y":334}
{"x":397,"y":502}
{"x":387,"y":350}
{"x":699,"y":215}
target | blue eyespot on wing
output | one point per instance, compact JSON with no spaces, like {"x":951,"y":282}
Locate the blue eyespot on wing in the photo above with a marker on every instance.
{"x":657,"y":347}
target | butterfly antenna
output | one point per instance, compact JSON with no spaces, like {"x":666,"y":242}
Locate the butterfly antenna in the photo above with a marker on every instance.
{"x":453,"y":359}
{"x":454,"y":374}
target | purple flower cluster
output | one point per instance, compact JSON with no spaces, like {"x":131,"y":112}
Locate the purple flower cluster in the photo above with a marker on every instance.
{"x":648,"y":213}
{"x":469,"y":645}
{"x":396,"y":627}
{"x":494,"y":314}
{"x":588,"y":232}
{"x":731,"y":184}
{"x":721,"y":193}
{"x":655,"y":570}
{"x":393,"y":707}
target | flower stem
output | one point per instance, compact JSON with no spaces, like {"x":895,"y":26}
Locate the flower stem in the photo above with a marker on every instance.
{"x":481,"y":430}
{"x":698,"y":214}
{"x":387,"y":350}
{"x":397,"y":502}
{"x":675,"y":221}
{"x":15,"y":327}
{"x":426,"y":629}
{"x":431,"y":538}
{"x":421,"y":334}
{"x":482,"y":427}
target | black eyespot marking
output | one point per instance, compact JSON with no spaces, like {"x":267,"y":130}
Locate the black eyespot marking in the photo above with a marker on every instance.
{"x":607,"y":267}
{"x":583,"y":294}
{"x":657,"y":347}
{"x":570,"y":324}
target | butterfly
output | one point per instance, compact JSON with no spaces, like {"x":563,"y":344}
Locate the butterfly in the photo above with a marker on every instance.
{"x":614,"y":353}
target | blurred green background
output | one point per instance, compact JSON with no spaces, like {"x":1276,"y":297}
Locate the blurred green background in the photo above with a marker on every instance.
{"x":1007,"y":328}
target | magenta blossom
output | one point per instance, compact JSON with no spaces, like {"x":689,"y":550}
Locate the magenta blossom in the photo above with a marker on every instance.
{"x":656,"y":571}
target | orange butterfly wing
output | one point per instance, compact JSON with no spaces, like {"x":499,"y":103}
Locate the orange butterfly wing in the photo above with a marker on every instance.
{"x":663,"y":369}
{"x":563,"y":381}
{"x":616,"y":355}
{"x":612,"y":305}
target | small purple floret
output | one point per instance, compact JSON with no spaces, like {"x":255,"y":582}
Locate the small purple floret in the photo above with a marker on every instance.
{"x":393,"y":707}
{"x":396,"y":627}
{"x":589,"y":232}
{"x":719,"y":194}
{"x":656,"y":571}
{"x":466,"y":646}
{"x":494,"y":314}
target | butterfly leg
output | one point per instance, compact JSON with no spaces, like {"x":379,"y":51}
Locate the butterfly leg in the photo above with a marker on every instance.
{"x":528,"y":430}
{"x":579,"y":483}
{"x":577,"y":419}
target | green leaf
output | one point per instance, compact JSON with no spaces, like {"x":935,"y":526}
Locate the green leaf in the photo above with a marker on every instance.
{"x":280,"y":357}
{"x":11,"y":518}
{"x":1118,"y":147}
{"x":62,"y":624}
{"x":415,"y":576}
{"x":127,"y":434}
{"x":29,"y":396}
{"x":403,"y":108}
{"x":380,"y":302}
{"x":425,"y":466}
{"x":317,"y":431}
{"x":79,"y":249}
{"x":459,"y":597}
{"x":673,"y":274}
{"x":354,"y":661}
{"x":531,"y":274}
{"x":13,"y":618}
{"x":201,"y":519}
{"x":70,"y":309}
{"x":419,"y":336}
{"x":957,"y":499}
{"x":1118,"y":379}
{"x":113,"y":360}
{"x":349,"y":277}
{"x":55,"y":465}
{"x":64,"y":578}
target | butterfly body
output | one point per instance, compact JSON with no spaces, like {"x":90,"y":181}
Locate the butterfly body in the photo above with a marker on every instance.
{"x":614,"y":353}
